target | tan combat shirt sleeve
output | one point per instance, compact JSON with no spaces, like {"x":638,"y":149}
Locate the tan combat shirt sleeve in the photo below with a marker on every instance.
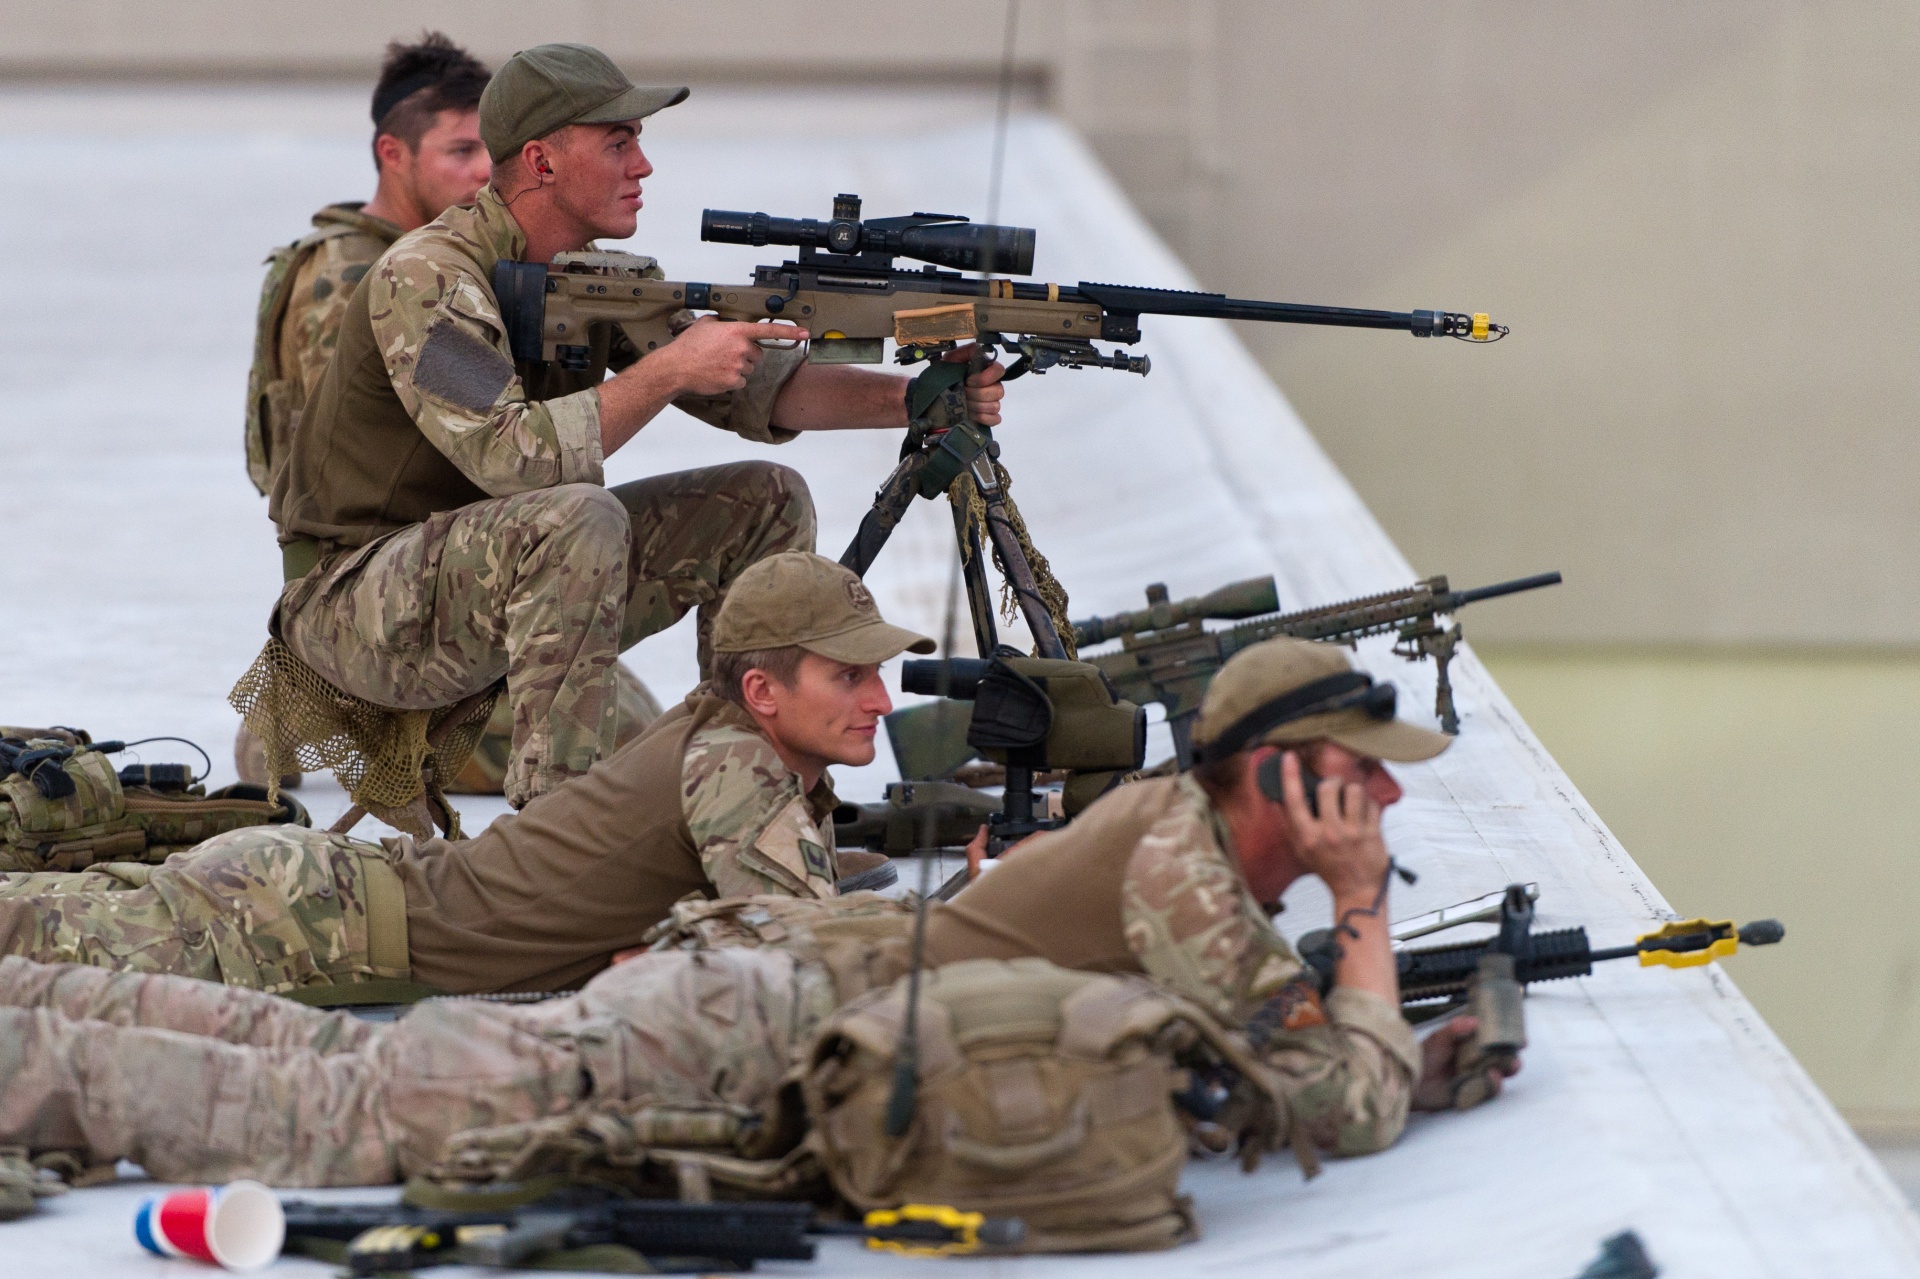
{"x":1349,"y":1062}
{"x":755,"y":832}
{"x":446,"y":352}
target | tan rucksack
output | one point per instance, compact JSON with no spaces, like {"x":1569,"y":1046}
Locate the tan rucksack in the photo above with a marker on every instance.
{"x":1044,"y":1094}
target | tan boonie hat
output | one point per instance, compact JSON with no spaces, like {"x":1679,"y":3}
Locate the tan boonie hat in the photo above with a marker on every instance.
{"x":795,"y":598}
{"x":1286,"y":691}
{"x":553,"y":85}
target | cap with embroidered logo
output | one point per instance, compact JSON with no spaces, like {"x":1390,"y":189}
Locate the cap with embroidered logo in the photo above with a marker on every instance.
{"x":805,"y":600}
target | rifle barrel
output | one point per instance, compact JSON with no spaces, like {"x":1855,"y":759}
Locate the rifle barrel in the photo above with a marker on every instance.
{"x":1514,"y":587}
{"x":1135,"y":300}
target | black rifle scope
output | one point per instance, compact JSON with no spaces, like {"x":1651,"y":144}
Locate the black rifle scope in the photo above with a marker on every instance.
{"x":944,"y":239}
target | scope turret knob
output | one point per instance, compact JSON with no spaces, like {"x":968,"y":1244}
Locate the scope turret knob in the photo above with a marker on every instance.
{"x":843,"y":237}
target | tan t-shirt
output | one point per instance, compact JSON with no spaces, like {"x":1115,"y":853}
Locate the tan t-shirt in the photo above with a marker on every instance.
{"x":542,"y":899}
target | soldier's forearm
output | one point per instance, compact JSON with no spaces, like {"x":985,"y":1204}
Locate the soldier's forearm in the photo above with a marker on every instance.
{"x":633,"y":399}
{"x":836,"y":397}
{"x":1366,"y":947}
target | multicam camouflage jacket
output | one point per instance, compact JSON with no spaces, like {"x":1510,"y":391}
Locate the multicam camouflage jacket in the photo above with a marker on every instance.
{"x":1348,"y":1061}
{"x":423,"y":348}
{"x":756,"y":830}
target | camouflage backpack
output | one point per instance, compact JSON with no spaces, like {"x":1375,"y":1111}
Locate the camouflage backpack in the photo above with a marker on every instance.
{"x":1044,"y":1094}
{"x":86,"y":816}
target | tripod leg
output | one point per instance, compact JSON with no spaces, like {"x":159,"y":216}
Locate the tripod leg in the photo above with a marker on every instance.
{"x":889,"y":507}
{"x":986,"y":636}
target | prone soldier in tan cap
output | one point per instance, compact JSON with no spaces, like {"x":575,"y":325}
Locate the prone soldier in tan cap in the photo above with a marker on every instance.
{"x":1177,"y":877}
{"x":442,"y":513}
{"x":726,"y":795}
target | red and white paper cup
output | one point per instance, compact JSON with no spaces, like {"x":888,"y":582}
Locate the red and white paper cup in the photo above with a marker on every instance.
{"x":238,"y":1226}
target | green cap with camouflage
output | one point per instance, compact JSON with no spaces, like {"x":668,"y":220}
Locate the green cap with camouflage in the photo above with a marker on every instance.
{"x":551,"y":86}
{"x":1286,"y":692}
{"x":799,"y":599}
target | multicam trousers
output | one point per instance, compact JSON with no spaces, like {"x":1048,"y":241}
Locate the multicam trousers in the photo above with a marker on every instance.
{"x":205,"y":1083}
{"x":544,"y":588}
{"x":268,"y":908}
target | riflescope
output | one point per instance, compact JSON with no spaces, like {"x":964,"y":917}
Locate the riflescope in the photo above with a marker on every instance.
{"x":944,"y":239}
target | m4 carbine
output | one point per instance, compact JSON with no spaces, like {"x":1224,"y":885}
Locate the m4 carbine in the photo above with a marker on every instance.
{"x":1167,"y":655}
{"x":846,"y":288}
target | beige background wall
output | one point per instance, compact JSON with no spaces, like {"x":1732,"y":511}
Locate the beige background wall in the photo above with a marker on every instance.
{"x":1700,"y":220}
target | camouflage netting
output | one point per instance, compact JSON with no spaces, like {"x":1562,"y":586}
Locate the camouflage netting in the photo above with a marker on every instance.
{"x":305,"y":724}
{"x":966,"y":495}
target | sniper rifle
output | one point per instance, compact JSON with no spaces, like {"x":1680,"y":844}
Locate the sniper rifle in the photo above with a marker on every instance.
{"x":1167,"y":655}
{"x":846,"y":288}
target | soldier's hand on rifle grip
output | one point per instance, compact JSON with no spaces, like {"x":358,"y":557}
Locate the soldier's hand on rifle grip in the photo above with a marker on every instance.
{"x":713,"y":356}
{"x":1341,"y":843}
{"x":1435,"y":1091}
{"x":983,"y":389}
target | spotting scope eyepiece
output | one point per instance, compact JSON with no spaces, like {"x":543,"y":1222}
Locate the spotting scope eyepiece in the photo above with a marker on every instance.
{"x":955,"y":677}
{"x":944,"y":239}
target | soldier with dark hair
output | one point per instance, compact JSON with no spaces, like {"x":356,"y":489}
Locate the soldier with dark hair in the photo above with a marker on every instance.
{"x":428,"y":155}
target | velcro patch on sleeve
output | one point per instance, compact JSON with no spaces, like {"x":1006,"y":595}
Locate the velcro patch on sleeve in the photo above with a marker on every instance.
{"x":461,"y":369}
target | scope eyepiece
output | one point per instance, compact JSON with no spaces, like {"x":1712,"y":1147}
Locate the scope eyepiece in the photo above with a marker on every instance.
{"x":939,"y":238}
{"x":955,"y":677}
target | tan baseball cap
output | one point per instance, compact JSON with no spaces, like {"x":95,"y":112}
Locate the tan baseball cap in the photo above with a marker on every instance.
{"x":553,"y":85}
{"x":799,"y":598}
{"x":1287,"y":691}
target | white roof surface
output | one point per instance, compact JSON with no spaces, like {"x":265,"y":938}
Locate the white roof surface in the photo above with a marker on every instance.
{"x":139,"y":570}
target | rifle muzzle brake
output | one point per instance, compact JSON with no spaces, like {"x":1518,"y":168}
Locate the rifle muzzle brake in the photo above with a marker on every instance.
{"x":1478,"y":327}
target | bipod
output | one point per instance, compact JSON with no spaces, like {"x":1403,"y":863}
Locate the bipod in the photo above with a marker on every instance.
{"x":931,"y":462}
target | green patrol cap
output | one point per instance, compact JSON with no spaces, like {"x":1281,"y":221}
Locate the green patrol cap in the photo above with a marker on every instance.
{"x":553,"y":85}
{"x":797,"y":598}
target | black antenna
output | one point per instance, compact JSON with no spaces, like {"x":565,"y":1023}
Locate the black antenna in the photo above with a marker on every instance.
{"x":906,"y":1059}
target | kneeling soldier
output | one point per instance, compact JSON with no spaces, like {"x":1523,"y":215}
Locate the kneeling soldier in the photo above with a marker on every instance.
{"x":727,"y":794}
